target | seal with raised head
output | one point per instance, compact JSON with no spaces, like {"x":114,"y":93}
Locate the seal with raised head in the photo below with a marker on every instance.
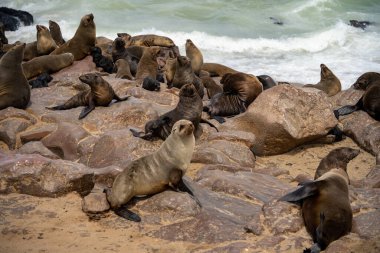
{"x":336,"y":159}
{"x":325,"y":205}
{"x":212,"y":88}
{"x":14,"y":87}
{"x":45,"y":43}
{"x":153,"y":173}
{"x":370,"y":101}
{"x":84,"y":38}
{"x":266,"y":81}
{"x":47,"y":63}
{"x":329,"y":83}
{"x":148,"y":66}
{"x":56,"y":33}
{"x":120,"y":52}
{"x":123,"y":69}
{"x":184,"y":74}
{"x":239,"y":91}
{"x":195,"y":55}
{"x":216,"y":69}
{"x":100,"y":94}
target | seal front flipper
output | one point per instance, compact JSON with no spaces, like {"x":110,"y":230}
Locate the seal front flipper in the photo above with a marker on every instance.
{"x":306,"y":190}
{"x":87,"y":109}
{"x":184,"y":186}
{"x":127,"y":214}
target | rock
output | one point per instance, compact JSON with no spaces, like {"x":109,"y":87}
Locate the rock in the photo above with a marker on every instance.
{"x":77,"y":69}
{"x":368,"y":224}
{"x":9,"y":128}
{"x":36,"y":147}
{"x":285,"y":117}
{"x":372,"y":180}
{"x":353,"y":243}
{"x":346,"y":97}
{"x":95,"y":202}
{"x":234,"y":136}
{"x":36,"y":133}
{"x":39,"y":176}
{"x":12,"y":112}
{"x":105,"y":176}
{"x":236,"y":247}
{"x":71,"y":134}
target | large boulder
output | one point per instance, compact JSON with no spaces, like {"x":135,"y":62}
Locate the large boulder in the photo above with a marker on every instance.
{"x":285,"y":117}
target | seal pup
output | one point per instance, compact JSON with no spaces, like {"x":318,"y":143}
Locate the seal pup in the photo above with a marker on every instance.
{"x":184,"y":74}
{"x":123,"y":70}
{"x":148,"y":66}
{"x":329,"y":83}
{"x":266,"y":81}
{"x":360,"y":24}
{"x":216,"y":69}
{"x":56,"y":33}
{"x":169,"y":70}
{"x":370,"y":101}
{"x":45,"y":43}
{"x":14,"y":87}
{"x":325,"y":205}
{"x":151,"y":84}
{"x":41,"y":81}
{"x":195,"y":55}
{"x":336,"y":159}
{"x":84,"y":38}
{"x":153,"y":173}
{"x":100,"y":60}
{"x":100,"y":94}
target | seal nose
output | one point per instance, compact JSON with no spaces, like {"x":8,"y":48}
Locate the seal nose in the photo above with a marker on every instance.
{"x":91,"y":16}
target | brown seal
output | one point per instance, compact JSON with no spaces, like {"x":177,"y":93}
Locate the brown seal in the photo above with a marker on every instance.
{"x":195,"y":56}
{"x":239,"y":91}
{"x":266,"y":81}
{"x":325,"y":205}
{"x":56,"y":33}
{"x":216,"y":69}
{"x":149,"y":40}
{"x":30,"y":51}
{"x":169,"y":70}
{"x":211,"y":86}
{"x":369,"y":102}
{"x":47,"y":64}
{"x":120,"y":52}
{"x":84,"y":38}
{"x":14,"y":88}
{"x":336,"y":159}
{"x":184,"y":74}
{"x":329,"y":83}
{"x":100,"y":94}
{"x":148,"y":66}
{"x":153,"y":173}
{"x":45,"y":43}
{"x":123,"y":69}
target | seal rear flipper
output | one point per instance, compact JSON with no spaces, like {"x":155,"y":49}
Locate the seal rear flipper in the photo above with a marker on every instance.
{"x":58,"y":107}
{"x":118,"y":99}
{"x":184,"y":186}
{"x":220,"y":119}
{"x":141,"y":135}
{"x":306,"y":190}
{"x":127,"y":214}
{"x":87,"y":110}
{"x":209,"y":123}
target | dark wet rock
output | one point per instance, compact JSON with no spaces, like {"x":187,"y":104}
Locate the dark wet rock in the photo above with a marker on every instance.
{"x":71,"y":134}
{"x":36,"y":147}
{"x":285,"y":117}
{"x":368,"y":224}
{"x":360,"y":24}
{"x":39,"y":176}
{"x":36,"y":133}
{"x":9,"y":128}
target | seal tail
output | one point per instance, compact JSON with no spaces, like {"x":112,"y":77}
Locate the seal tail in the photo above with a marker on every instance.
{"x":127,"y":214}
{"x":209,"y":123}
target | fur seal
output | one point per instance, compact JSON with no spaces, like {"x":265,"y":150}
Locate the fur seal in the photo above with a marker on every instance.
{"x":336,"y":159}
{"x":169,"y":70}
{"x":184,"y":74}
{"x":148,"y":66}
{"x":195,"y":56}
{"x":30,"y":51}
{"x":56,"y":33}
{"x":100,"y":60}
{"x":153,"y":173}
{"x":151,"y":84}
{"x":325,"y":205}
{"x":239,"y":91}
{"x":266,"y":81}
{"x":120,"y":52}
{"x":123,"y":69}
{"x":14,"y":88}
{"x":84,"y":38}
{"x":329,"y":83}
{"x":211,"y":86}
{"x":41,"y":81}
{"x":45,"y":43}
{"x":216,"y":69}
{"x":46,"y":63}
{"x":369,"y":102}
{"x":100,"y":94}
{"x":149,"y":40}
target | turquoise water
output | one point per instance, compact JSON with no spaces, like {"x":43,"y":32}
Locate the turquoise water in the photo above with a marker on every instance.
{"x":237,"y":33}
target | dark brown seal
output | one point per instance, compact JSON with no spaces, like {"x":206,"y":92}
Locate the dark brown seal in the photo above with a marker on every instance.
{"x":100,"y":94}
{"x":14,"y":88}
{"x":336,"y":159}
{"x":266,"y":81}
{"x":216,"y":69}
{"x":370,"y":101}
{"x":329,"y":83}
{"x":211,"y":86}
{"x":84,"y":38}
{"x":195,"y":55}
{"x":45,"y":43}
{"x":47,"y":64}
{"x":56,"y":33}
{"x":153,"y":173}
{"x":184,"y":74}
{"x":169,"y":70}
{"x":239,"y":91}
{"x":325,"y":205}
{"x":123,"y":69}
{"x":148,"y":66}
{"x":120,"y":52}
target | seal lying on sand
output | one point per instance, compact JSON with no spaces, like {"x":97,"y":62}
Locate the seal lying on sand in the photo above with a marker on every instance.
{"x":370,"y":101}
{"x":100,"y":94}
{"x":329,"y":83}
{"x":153,"y":173}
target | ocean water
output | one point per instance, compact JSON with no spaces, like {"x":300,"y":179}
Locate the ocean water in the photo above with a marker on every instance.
{"x":236,"y":33}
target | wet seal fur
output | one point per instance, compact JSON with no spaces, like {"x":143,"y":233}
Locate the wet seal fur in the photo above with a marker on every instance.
{"x":370,"y":101}
{"x":14,"y":87}
{"x":100,"y":94}
{"x":329,"y":83}
{"x":56,"y":33}
{"x":195,"y":56}
{"x":84,"y":38}
{"x":326,"y":209}
{"x":120,"y":52}
{"x":153,"y":173}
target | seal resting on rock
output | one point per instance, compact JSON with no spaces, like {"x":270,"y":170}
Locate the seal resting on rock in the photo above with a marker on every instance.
{"x":123,"y":70}
{"x":45,"y":43}
{"x":153,"y":173}
{"x":84,"y":38}
{"x":195,"y":55}
{"x":370,"y":101}
{"x":329,"y":83}
{"x":326,"y":209}
{"x":56,"y":33}
{"x":14,"y":87}
{"x":100,"y":94}
{"x":149,"y":40}
{"x":216,"y":69}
